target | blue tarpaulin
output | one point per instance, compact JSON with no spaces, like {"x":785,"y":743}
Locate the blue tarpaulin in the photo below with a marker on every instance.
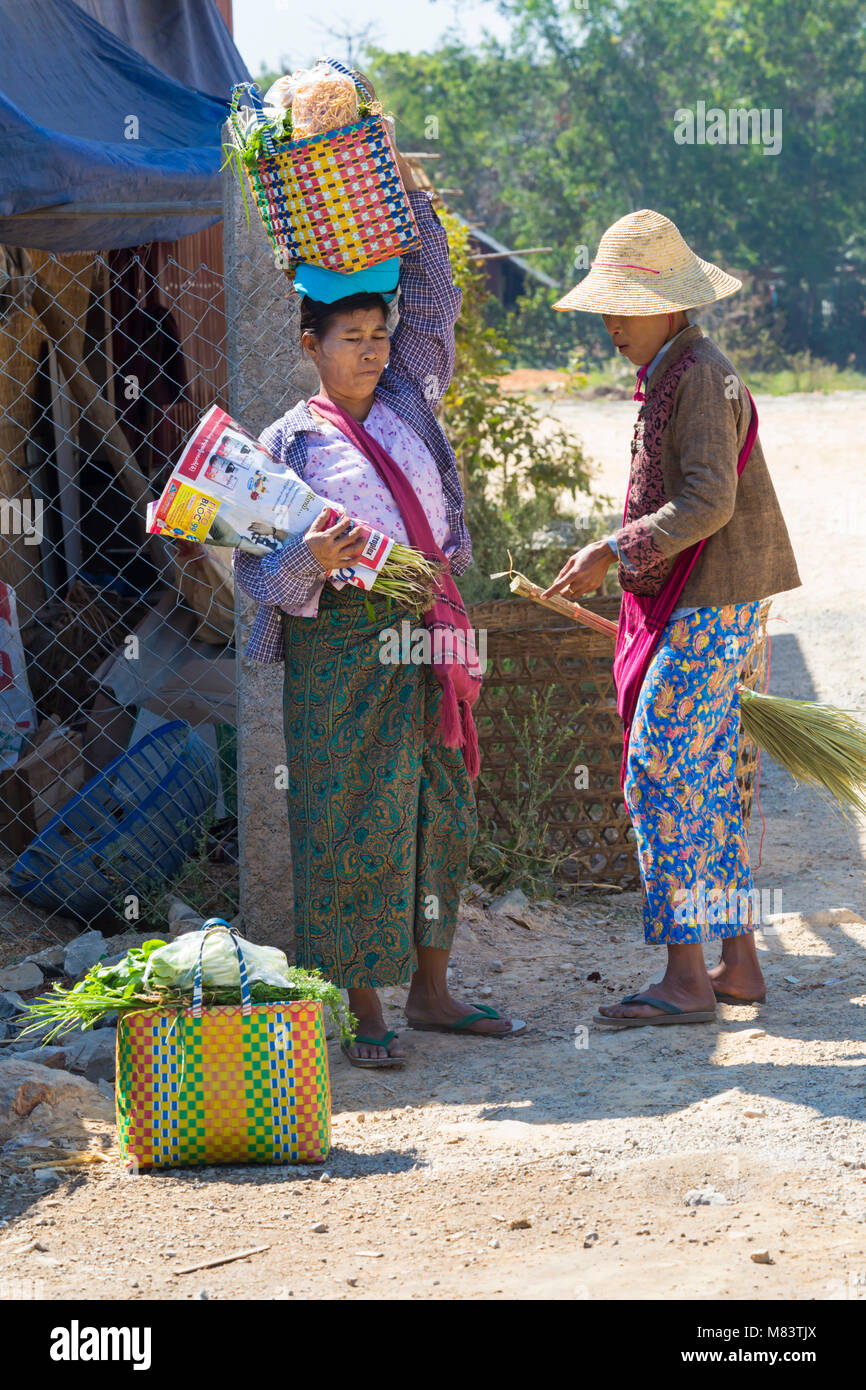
{"x":187,"y":39}
{"x":111,"y":149}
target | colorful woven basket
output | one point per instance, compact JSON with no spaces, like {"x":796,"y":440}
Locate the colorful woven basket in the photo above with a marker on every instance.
{"x":245,"y":1083}
{"x":335,"y":200}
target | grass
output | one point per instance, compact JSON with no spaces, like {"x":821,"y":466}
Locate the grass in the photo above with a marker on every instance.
{"x":805,"y":373}
{"x":801,"y":373}
{"x":515,"y":853}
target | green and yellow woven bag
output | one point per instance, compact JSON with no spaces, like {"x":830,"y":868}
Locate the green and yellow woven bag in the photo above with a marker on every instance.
{"x":240,"y":1083}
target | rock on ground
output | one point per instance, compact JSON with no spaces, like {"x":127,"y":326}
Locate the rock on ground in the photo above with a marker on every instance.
{"x":43,"y":1102}
{"x":87,"y":1053}
{"x":27,"y":975}
{"x":93,"y":1055}
{"x":84,"y":952}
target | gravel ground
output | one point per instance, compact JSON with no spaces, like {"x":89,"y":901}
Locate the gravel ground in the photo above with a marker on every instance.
{"x":569,"y":1164}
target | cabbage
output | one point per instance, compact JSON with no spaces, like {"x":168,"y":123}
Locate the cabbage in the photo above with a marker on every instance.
{"x":172,"y":967}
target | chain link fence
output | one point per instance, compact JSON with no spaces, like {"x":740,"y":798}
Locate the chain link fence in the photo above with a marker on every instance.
{"x":118,"y":687}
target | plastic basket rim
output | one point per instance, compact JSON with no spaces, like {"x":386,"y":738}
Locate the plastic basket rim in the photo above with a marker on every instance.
{"x":161,"y":731}
{"x":286,"y":145}
{"x":170,"y":1011}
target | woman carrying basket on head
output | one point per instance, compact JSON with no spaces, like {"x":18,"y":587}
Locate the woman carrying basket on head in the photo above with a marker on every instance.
{"x":702,"y":542}
{"x":381,"y":809}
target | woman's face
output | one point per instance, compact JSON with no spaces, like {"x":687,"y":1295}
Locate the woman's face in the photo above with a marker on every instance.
{"x":639,"y":337}
{"x":352,"y":353}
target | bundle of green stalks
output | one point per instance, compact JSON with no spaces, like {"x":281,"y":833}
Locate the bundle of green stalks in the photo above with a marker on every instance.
{"x":408,"y":578}
{"x":819,"y":745}
{"x":120,"y":988}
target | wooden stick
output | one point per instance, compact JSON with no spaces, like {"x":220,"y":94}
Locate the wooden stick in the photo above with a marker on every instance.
{"x":78,"y":1160}
{"x":221,"y":1260}
{"x":526,"y":589}
{"x":502,"y":255}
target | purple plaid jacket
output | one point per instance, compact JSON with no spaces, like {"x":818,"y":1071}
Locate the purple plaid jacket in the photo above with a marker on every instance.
{"x":420,"y":366}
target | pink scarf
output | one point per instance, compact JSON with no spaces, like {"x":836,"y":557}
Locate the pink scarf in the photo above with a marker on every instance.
{"x":459,"y":670}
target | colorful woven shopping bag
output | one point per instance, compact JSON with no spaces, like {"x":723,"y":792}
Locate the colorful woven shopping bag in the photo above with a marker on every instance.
{"x":245,"y":1083}
{"x":335,"y":200}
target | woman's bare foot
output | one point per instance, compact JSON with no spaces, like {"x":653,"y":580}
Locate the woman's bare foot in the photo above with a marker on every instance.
{"x":422,"y":1006}
{"x":685,"y":983}
{"x":430,"y":1000}
{"x":367,"y":1008}
{"x":738,"y":973}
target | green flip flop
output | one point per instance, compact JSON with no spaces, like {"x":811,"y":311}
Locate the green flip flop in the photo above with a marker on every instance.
{"x":670,"y":1014}
{"x":463,"y":1025}
{"x":374,"y":1063}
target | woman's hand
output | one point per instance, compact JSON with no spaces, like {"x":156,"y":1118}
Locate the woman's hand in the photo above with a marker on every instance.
{"x":584,"y":572}
{"x":337,"y":545}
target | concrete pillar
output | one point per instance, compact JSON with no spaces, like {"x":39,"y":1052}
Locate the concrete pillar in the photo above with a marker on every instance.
{"x":266,"y":376}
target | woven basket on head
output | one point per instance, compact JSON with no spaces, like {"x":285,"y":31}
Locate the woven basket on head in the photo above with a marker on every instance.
{"x":531,"y":649}
{"x":334,"y":200}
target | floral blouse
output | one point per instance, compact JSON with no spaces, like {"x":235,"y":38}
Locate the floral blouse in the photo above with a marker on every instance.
{"x":336,"y":470}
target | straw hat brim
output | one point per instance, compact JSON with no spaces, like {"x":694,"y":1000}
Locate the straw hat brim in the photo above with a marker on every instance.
{"x":629,"y":292}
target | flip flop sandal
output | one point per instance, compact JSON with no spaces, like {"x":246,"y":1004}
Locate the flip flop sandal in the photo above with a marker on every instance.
{"x":670,"y":1014}
{"x":374,"y":1063}
{"x":735,"y":998}
{"x":463,"y":1025}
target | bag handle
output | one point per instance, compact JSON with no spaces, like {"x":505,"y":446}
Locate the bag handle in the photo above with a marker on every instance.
{"x":254,"y":99}
{"x":220,"y":924}
{"x":360,"y":82}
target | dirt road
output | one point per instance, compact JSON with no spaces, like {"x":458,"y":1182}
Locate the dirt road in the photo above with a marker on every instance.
{"x":571,"y":1164}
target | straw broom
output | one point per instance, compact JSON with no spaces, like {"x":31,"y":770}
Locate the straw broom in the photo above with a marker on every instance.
{"x":819,"y":745}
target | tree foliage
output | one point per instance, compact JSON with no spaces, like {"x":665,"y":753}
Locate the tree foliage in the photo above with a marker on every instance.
{"x":569,"y":125}
{"x":519,"y":472}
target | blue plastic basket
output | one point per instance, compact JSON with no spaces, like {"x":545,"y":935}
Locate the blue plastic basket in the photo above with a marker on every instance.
{"x":141,"y":815}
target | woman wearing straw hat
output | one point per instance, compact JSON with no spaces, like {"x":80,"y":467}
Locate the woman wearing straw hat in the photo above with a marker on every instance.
{"x":702,"y":542}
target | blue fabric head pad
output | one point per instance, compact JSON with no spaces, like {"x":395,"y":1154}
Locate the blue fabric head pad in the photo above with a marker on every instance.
{"x":326,"y":286}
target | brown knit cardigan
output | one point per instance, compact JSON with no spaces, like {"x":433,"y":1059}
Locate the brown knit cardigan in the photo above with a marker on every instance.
{"x":684,"y":486}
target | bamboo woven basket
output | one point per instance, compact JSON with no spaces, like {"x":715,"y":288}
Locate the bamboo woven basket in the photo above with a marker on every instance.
{"x":336,"y":199}
{"x":531,"y":649}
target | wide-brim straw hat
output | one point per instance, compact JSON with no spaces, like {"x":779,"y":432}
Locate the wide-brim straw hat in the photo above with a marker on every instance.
{"x":644,"y":266}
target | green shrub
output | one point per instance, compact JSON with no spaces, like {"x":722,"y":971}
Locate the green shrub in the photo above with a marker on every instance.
{"x":525,"y":477}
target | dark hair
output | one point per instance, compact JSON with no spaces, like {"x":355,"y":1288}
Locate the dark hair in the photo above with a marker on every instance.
{"x":317,"y":317}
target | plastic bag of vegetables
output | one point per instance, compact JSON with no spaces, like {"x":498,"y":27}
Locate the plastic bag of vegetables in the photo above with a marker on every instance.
{"x":129,"y":984}
{"x":172,"y":967}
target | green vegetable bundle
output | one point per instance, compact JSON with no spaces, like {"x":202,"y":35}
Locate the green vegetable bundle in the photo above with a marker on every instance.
{"x":407,"y":577}
{"x":130,"y":984}
{"x":249,"y":145}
